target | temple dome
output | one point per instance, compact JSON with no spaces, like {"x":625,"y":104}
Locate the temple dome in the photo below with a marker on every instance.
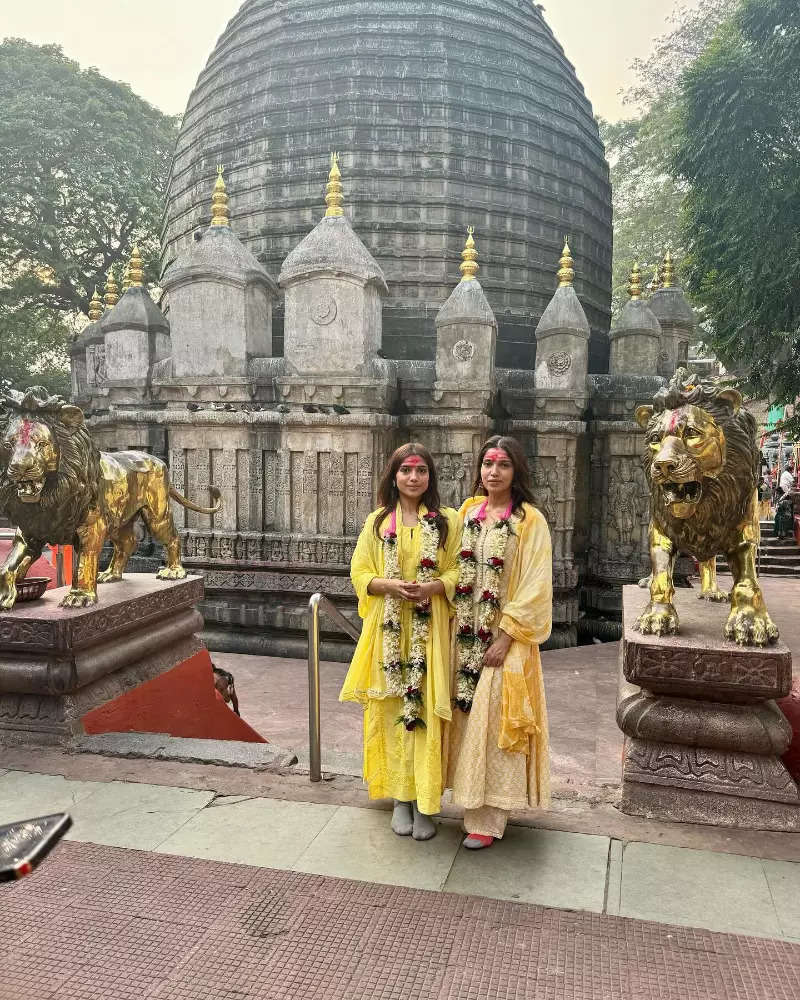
{"x":446,"y":113}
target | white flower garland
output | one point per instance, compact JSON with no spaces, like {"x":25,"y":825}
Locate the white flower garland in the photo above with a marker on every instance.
{"x":405,"y":680}
{"x":474,"y":638}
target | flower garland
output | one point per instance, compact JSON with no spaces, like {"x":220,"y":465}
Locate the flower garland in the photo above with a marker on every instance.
{"x":474,"y":639}
{"x":405,"y":679}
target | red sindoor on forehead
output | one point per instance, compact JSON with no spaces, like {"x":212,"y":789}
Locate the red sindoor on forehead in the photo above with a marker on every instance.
{"x":413,"y":460}
{"x":25,"y":432}
{"x":497,"y":455}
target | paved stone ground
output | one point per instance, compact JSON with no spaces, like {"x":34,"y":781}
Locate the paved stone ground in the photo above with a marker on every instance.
{"x":101,"y":922}
{"x":715,"y":890}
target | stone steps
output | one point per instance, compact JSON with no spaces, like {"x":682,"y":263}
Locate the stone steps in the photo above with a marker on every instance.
{"x":779,"y":556}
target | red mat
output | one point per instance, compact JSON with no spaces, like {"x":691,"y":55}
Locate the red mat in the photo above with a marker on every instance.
{"x":181,"y":702}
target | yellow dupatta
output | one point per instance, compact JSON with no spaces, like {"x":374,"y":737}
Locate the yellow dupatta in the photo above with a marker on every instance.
{"x":526,"y":616}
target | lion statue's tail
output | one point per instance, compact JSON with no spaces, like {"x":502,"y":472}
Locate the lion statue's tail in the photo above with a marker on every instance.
{"x":215,"y":493}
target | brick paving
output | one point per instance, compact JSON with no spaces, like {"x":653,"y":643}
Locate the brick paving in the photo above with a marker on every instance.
{"x":103,"y":923}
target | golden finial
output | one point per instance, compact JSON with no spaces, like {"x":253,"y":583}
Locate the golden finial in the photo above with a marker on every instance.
{"x":111,"y":298}
{"x":668,"y":271}
{"x":655,"y":284}
{"x":469,"y":258}
{"x":566,"y":271}
{"x":126,"y":278}
{"x":95,"y":307}
{"x":220,"y":216}
{"x":635,"y":282}
{"x":334,"y":198}
{"x":135,"y":276}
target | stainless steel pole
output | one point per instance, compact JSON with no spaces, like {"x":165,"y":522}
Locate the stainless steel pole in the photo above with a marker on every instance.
{"x":314,"y":744}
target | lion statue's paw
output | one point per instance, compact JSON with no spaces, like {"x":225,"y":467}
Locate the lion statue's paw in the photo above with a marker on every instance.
{"x":108,"y":577}
{"x":8,"y":596}
{"x":79,"y":599}
{"x":658,"y":619}
{"x":747,"y":627}
{"x":177,"y":573}
{"x":715,"y":595}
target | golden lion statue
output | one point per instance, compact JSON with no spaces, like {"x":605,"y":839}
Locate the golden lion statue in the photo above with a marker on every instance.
{"x":58,"y":489}
{"x":703,"y":462}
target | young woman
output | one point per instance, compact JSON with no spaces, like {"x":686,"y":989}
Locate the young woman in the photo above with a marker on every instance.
{"x":497,"y":754}
{"x":404,"y":571}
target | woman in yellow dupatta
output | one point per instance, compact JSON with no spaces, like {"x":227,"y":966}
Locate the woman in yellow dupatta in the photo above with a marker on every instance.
{"x":404,"y":572}
{"x":496,"y":748}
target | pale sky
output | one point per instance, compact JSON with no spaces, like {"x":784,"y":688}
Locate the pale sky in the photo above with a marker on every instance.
{"x":160,"y":46}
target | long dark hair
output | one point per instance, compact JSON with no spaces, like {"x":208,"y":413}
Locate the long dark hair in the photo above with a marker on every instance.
{"x":388,"y":494}
{"x":521,"y":491}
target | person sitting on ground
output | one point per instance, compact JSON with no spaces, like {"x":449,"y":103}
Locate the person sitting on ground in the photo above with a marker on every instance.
{"x":223,"y":682}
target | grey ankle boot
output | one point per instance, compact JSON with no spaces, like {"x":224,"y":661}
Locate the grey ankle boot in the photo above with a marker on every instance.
{"x":402,"y":819}
{"x":424,"y":827}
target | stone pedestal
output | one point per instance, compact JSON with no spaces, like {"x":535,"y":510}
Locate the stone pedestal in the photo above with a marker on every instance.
{"x":704,"y":735}
{"x":57,"y":664}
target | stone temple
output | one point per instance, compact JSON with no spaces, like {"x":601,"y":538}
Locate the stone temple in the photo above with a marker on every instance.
{"x":313,"y":318}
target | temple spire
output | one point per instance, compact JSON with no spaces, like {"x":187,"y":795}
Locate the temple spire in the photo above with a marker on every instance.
{"x":111,"y":297}
{"x":469,"y":258}
{"x":95,"y":307}
{"x":655,"y":284}
{"x":635,"y":282}
{"x":334,"y":197}
{"x":135,"y":274}
{"x":566,"y":270}
{"x":668,"y":271}
{"x":220,"y":214}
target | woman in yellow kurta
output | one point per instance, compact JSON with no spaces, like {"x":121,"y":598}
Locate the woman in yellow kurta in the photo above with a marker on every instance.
{"x":496,"y":748}
{"x":404,"y":572}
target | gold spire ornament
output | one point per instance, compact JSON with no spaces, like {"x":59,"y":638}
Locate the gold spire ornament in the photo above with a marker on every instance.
{"x":635,"y":282}
{"x":220,"y":214}
{"x":655,"y":284}
{"x":668,"y":271}
{"x":126,"y":278}
{"x":135,"y":273}
{"x":334,"y":197}
{"x":469,"y":258}
{"x":566,"y":270}
{"x":95,"y":307}
{"x":111,"y":298}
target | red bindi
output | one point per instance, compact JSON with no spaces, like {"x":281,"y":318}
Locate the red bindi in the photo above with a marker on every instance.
{"x":25,"y":432}
{"x":497,"y":455}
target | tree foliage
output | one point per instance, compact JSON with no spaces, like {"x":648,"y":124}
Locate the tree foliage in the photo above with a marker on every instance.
{"x":84,"y":164}
{"x":738,"y":151}
{"x":647,"y":197}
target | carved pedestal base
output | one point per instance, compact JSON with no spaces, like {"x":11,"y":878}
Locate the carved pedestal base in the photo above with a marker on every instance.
{"x":705,"y":736}
{"x":57,"y":664}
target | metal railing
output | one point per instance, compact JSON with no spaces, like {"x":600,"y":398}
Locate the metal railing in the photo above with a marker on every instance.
{"x":319,"y":603}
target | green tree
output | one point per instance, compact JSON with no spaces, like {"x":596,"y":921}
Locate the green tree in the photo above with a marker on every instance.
{"x":738,"y":150}
{"x":647,"y":197}
{"x":84,"y":164}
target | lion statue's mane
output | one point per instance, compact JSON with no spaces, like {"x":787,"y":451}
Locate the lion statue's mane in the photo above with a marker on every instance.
{"x":71,"y":490}
{"x":726,"y":499}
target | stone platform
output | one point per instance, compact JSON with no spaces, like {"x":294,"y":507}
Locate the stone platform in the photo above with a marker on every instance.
{"x":57,"y":664}
{"x":704,"y":734}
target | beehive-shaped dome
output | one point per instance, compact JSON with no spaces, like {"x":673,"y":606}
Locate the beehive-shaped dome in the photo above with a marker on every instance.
{"x":446,"y":113}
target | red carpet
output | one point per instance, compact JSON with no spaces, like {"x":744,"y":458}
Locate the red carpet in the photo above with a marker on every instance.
{"x":181,"y":702}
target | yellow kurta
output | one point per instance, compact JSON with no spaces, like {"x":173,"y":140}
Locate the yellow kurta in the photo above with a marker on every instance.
{"x":498,"y":753}
{"x":399,"y":764}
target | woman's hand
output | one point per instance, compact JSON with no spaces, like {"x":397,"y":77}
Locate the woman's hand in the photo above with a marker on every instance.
{"x":421,"y":592}
{"x":495,"y":655}
{"x":381,"y":587}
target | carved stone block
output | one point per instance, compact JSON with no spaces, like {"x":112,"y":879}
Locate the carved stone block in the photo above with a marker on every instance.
{"x":699,"y":662}
{"x":760,"y":728}
{"x":56,"y":664}
{"x":704,"y":737}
